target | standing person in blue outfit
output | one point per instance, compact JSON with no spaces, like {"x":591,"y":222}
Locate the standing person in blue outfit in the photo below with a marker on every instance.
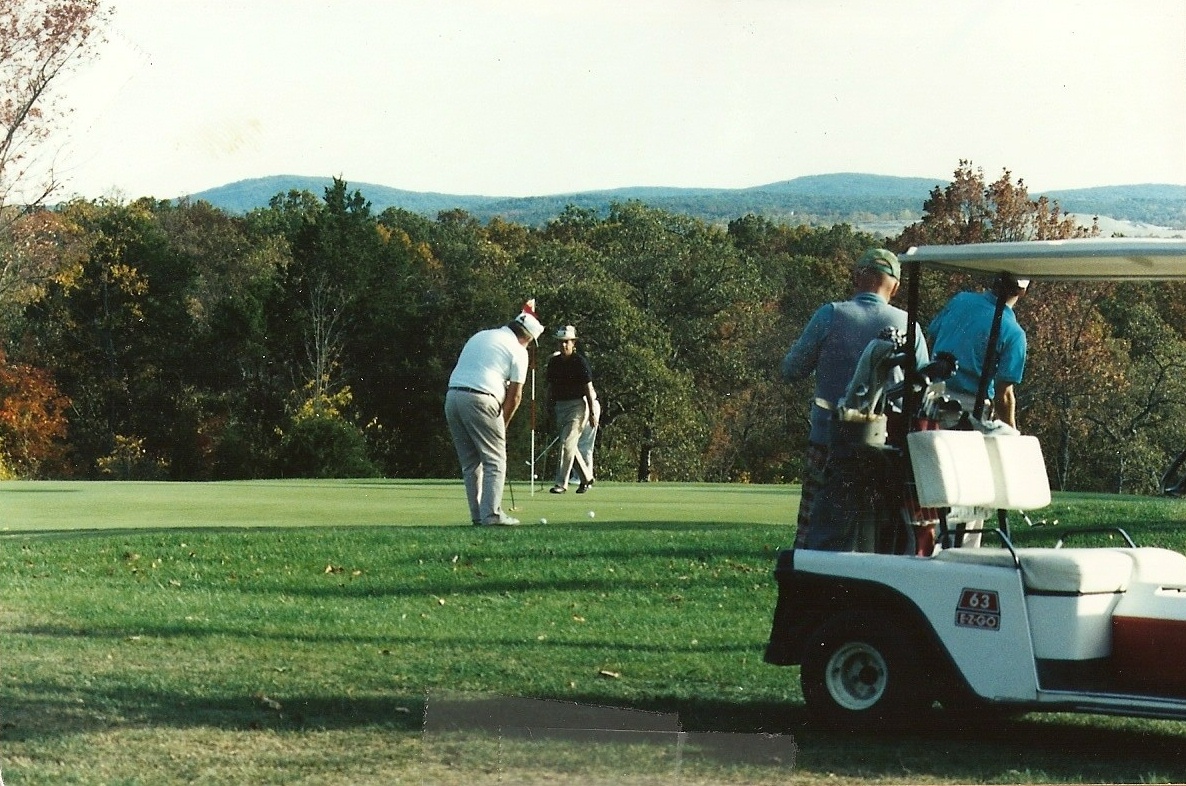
{"x":574,"y":403}
{"x":962,"y":328}
{"x":485,"y":389}
{"x":830,"y":347}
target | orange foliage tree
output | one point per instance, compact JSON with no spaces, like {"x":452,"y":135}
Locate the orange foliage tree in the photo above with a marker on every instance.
{"x":1072,"y":362}
{"x":32,"y":420}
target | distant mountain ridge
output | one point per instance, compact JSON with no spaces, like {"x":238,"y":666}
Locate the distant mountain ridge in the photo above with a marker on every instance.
{"x":855,"y":198}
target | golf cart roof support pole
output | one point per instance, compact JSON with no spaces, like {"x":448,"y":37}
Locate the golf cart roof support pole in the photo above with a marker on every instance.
{"x":991,"y":355}
{"x":911,"y":399}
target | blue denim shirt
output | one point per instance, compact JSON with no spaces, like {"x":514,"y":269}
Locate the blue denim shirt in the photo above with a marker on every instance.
{"x":831,"y":345}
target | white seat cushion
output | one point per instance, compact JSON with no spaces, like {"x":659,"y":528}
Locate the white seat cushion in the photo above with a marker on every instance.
{"x":1081,"y":571}
{"x":1019,"y":472}
{"x":951,"y":468}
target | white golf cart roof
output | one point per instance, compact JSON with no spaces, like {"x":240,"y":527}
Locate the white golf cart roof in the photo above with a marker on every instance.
{"x":1087,"y":259}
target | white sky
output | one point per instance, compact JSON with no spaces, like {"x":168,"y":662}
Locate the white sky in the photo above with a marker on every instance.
{"x":533,"y":97}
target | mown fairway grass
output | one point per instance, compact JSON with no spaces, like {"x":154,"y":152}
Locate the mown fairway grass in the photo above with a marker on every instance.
{"x":291,"y":632}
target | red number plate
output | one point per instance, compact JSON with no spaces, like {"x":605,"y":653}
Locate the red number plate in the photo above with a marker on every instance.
{"x":978,"y":609}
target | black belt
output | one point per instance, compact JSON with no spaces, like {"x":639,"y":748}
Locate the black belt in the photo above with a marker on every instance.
{"x":473,"y":390}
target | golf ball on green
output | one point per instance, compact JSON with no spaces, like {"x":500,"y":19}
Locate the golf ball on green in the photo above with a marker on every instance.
{"x":543,"y":521}
{"x":592,"y":514}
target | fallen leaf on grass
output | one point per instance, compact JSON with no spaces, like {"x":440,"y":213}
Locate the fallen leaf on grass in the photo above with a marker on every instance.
{"x":269,"y":702}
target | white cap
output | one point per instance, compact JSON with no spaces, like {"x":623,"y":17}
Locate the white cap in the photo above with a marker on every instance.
{"x":530,"y":321}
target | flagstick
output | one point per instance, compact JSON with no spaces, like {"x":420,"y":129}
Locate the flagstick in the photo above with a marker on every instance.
{"x":532,"y":366}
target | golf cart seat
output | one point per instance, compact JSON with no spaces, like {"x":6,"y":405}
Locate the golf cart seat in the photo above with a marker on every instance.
{"x":967,"y":468}
{"x":1077,"y":571}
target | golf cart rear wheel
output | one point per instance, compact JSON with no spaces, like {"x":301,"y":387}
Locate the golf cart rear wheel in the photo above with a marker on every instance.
{"x":860,"y":671}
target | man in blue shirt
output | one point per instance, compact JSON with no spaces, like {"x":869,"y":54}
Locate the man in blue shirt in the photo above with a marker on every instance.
{"x":962,"y":328}
{"x":830,"y":346}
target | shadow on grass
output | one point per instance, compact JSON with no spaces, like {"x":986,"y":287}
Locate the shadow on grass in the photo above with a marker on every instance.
{"x":436,"y":530}
{"x":60,"y":710}
{"x":30,"y":490}
{"x":459,"y":643}
{"x":1055,"y":748}
{"x":1050,"y":748}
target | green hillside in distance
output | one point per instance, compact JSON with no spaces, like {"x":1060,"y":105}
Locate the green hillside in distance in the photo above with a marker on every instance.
{"x":863,"y":200}
{"x":850,"y":184}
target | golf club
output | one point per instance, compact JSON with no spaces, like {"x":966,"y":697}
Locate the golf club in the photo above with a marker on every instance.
{"x":539,"y":459}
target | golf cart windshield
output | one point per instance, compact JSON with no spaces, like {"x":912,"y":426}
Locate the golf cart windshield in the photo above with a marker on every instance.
{"x":1088,"y":259}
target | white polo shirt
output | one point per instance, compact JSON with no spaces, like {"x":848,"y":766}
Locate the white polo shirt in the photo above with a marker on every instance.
{"x":489,"y":360}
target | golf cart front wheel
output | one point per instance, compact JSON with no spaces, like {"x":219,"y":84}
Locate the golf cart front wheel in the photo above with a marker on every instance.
{"x":859,"y":672}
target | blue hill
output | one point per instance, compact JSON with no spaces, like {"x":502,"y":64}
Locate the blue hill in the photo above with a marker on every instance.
{"x":825,"y":199}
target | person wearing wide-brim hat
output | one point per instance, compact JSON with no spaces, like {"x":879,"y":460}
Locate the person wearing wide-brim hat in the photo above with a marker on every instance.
{"x":485,"y":389}
{"x":573,"y":401}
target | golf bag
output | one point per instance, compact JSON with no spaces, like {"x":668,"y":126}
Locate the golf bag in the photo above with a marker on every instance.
{"x":866,"y":501}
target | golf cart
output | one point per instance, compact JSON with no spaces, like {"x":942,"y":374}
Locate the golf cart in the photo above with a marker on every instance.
{"x":882,"y":636}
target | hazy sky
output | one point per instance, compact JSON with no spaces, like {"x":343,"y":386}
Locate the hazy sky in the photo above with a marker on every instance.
{"x":532,"y":97}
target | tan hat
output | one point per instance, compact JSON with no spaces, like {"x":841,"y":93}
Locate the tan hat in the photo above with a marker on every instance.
{"x":566,"y":333}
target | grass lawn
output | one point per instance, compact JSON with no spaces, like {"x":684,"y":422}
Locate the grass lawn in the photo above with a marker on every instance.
{"x":295,"y":632}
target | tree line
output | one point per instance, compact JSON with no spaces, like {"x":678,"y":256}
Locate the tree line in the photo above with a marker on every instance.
{"x":314,"y":338}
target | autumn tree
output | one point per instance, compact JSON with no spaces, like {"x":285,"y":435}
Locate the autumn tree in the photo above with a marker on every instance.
{"x":42,"y":246}
{"x":119,"y":334}
{"x":1071,"y":372}
{"x":440,"y":281}
{"x":969,"y":210}
{"x":231,"y":402}
{"x":1143,"y":424}
{"x":1073,"y":365}
{"x":32,"y":421}
{"x":40,"y":41}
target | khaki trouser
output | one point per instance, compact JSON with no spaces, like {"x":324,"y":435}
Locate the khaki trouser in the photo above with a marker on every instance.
{"x":570,"y":417}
